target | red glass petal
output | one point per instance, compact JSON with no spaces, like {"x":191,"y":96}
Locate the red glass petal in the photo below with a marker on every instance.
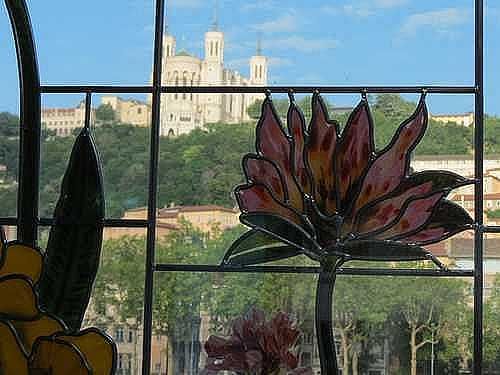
{"x":273,"y":144}
{"x":447,"y":219}
{"x":354,"y":149}
{"x":388,"y":210}
{"x":297,"y":129}
{"x":392,"y":165}
{"x":320,"y":157}
{"x":426,"y":235}
{"x":416,"y":214}
{"x":257,"y":198}
{"x":262,"y":171}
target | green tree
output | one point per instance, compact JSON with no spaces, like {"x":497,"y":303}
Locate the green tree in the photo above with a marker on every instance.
{"x":105,"y":113}
{"x":426,"y":306}
{"x":492,"y":327}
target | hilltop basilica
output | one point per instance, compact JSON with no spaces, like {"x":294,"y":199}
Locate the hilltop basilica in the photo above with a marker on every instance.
{"x":181,"y":113}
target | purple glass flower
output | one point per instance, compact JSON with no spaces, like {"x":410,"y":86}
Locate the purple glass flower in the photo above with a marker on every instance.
{"x":256,"y":347}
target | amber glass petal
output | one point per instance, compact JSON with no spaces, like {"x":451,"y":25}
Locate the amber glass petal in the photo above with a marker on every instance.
{"x":57,"y":357}
{"x":415,"y":214}
{"x":98,"y":349}
{"x":29,"y":331}
{"x":12,"y":358}
{"x":260,"y":170}
{"x":383,"y":211}
{"x":21,"y":260}
{"x":447,"y":219}
{"x":257,"y":198}
{"x":273,"y":144}
{"x":319,"y":157}
{"x":354,"y":150}
{"x":392,"y":164}
{"x":17,"y":298}
{"x":297,"y":129}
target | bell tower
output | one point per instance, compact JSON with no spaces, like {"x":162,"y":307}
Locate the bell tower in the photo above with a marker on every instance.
{"x":214,"y":41}
{"x":258,"y":67}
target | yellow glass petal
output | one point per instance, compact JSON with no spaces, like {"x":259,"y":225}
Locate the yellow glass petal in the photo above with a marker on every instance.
{"x":17,"y":299}
{"x":12,"y":358}
{"x":98,"y":349}
{"x":56,"y":357}
{"x":21,"y":260}
{"x":28,"y":332}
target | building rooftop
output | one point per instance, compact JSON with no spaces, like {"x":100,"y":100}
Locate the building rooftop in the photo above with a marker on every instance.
{"x":464,"y":248}
{"x":184,"y":53}
{"x":201,"y":208}
{"x":453,"y":157}
{"x":470,"y":197}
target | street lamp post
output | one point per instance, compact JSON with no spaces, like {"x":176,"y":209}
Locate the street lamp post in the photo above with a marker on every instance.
{"x":432,"y":352}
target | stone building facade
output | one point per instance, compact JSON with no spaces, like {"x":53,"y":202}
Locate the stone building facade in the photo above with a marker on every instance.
{"x":64,"y":120}
{"x":465,"y":119}
{"x":131,"y":111}
{"x":182,"y":112}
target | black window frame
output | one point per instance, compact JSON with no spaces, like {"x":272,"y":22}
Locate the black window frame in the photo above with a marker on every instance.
{"x":28,"y":220}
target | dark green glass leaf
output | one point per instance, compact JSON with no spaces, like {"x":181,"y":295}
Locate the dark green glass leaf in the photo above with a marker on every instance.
{"x":380,"y":250}
{"x":284,"y":231}
{"x":264,"y":255}
{"x":74,"y":245}
{"x":249,"y":241}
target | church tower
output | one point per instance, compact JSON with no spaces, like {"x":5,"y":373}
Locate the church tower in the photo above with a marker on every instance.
{"x":212,"y":72}
{"x":214,"y":42}
{"x":168,"y":45}
{"x":258,"y":67}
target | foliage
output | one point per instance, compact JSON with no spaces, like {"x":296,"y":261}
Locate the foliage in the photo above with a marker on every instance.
{"x":492,"y":326}
{"x":105,"y":113}
{"x":201,"y":167}
{"x":493,"y":214}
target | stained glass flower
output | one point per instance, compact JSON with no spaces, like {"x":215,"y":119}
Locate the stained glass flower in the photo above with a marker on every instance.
{"x":256,"y":347}
{"x":34,"y":342}
{"x":332,"y":196}
{"x":322,"y":192}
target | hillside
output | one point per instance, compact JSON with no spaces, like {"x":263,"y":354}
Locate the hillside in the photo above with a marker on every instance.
{"x":201,"y":167}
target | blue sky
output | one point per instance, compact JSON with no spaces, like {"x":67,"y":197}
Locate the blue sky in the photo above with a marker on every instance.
{"x":383,"y":42}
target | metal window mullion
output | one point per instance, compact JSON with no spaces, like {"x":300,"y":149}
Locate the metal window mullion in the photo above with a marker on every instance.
{"x":116,"y":89}
{"x":153,"y":188}
{"x":479,"y":158}
{"x":30,"y":122}
{"x":312,"y":270}
{"x":323,"y":89}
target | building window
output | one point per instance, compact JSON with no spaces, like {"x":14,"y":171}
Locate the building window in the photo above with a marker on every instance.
{"x":119,"y":334}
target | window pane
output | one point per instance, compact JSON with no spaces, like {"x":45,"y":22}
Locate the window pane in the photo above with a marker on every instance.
{"x":117,"y":298}
{"x":189,"y":307}
{"x":122,"y":134}
{"x":94,"y":42}
{"x":322,"y":42}
{"x":9,"y":121}
{"x":374,"y":315}
{"x":491,"y":306}
{"x":63,"y":116}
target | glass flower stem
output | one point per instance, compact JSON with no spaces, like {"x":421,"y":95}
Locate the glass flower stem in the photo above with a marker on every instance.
{"x":324,"y":317}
